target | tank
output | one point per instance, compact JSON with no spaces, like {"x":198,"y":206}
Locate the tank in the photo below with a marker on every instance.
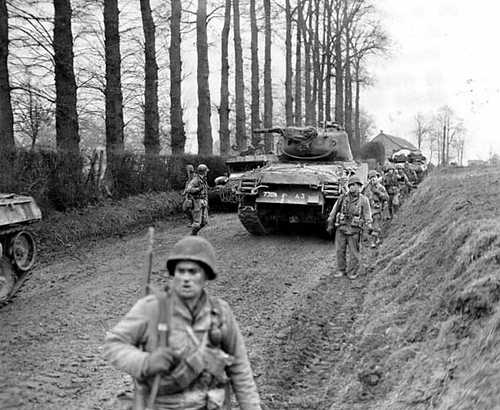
{"x":17,"y":245}
{"x":303,"y":185}
{"x":225,"y":191}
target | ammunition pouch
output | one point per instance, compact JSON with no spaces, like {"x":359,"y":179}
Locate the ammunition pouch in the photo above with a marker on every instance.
{"x":357,"y":222}
{"x":187,"y":204}
{"x":340,"y":219}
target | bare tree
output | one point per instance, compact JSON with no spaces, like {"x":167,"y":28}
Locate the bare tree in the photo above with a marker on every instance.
{"x":205,"y":141}
{"x":178,"y":135}
{"x":268,"y":86}
{"x":241,"y":139}
{"x":255,"y":105}
{"x":67,"y":137}
{"x":113,"y":91}
{"x":339,"y":79}
{"x":224,"y":135}
{"x":151,"y":115}
{"x":422,"y":129}
{"x":6,"y":116}
{"x":288,"y":66}
{"x":298,"y":65}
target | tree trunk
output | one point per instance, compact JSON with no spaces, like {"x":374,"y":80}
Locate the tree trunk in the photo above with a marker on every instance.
{"x":339,"y":84}
{"x":316,"y":68}
{"x":113,"y":91}
{"x":239,"y":81}
{"x":288,"y":66}
{"x":255,"y":105}
{"x":307,"y":69}
{"x":6,"y":117}
{"x":67,"y":138}
{"x":151,"y":116}
{"x":268,"y":86}
{"x":205,"y":142}
{"x":348,"y":95}
{"x":357,"y":131}
{"x":328,"y":75}
{"x":177,"y":133}
{"x":224,"y":136}
{"x":298,"y":67}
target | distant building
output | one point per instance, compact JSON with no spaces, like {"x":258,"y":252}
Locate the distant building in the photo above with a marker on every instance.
{"x":476,"y":163}
{"x":393,"y":144}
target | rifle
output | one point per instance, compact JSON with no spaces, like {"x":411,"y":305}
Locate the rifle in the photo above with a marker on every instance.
{"x":141,"y":389}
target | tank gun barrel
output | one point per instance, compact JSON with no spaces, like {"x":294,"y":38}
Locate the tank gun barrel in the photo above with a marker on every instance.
{"x":275,"y":130}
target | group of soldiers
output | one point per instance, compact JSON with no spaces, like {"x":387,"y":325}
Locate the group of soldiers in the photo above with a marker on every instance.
{"x":362,"y":208}
{"x":182,"y":346}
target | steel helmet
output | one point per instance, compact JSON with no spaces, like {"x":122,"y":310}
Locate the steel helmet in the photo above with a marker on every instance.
{"x":372,"y":173}
{"x":196,"y":249}
{"x":354,"y":180}
{"x":202,"y":169}
{"x":399,"y":166}
{"x":389,"y":166}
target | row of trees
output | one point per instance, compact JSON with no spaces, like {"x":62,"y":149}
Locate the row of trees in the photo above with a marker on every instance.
{"x":442,"y":134}
{"x":52,"y":55}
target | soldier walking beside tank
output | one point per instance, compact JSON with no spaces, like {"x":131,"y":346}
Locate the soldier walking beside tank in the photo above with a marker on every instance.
{"x":202,"y":350}
{"x":378,"y":197}
{"x":350,"y":214}
{"x":391,"y":184}
{"x":198,"y":190}
{"x":187,"y":204}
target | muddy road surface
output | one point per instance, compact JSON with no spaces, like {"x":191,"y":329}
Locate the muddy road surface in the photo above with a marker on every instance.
{"x":295,"y":318}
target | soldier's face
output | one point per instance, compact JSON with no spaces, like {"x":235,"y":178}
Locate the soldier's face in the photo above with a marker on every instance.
{"x":189,"y":279}
{"x":354,"y":188}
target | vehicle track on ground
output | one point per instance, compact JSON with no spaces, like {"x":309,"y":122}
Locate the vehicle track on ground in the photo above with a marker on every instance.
{"x":296,"y":320}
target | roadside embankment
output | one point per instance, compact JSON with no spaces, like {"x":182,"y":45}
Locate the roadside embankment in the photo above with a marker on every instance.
{"x":62,"y":229}
{"x":428,"y":333}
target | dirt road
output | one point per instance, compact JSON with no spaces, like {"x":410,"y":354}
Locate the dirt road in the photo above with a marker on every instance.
{"x":295,"y":319}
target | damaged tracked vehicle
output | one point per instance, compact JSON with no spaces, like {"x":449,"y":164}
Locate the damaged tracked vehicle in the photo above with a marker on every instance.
{"x":17,"y":245}
{"x":302,"y":187}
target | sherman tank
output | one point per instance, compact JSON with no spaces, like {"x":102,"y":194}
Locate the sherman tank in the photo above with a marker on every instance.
{"x":302,"y":186}
{"x":17,"y":245}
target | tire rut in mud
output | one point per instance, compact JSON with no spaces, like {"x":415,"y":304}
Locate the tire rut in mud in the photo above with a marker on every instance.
{"x":315,"y":339}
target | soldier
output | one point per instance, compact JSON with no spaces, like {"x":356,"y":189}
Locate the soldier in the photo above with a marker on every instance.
{"x":198,"y":190}
{"x":350,"y":214}
{"x":403,"y":181}
{"x":187,"y":204}
{"x":378,"y":197}
{"x":391,"y":184}
{"x":203,"y":351}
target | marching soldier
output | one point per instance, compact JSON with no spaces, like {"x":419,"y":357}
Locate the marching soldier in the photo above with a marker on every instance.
{"x":391,"y":184}
{"x":378,"y":197}
{"x":350,"y":214}
{"x":198,"y":190}
{"x":202,"y":350}
{"x":187,"y":204}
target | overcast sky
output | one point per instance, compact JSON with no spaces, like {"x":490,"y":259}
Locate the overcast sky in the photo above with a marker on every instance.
{"x":445,"y":52}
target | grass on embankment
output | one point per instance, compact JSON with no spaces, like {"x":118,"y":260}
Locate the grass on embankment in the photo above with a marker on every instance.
{"x":428,"y":335}
{"x":58,"y":230}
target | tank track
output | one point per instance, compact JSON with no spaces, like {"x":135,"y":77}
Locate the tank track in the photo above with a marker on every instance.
{"x":250,"y":219}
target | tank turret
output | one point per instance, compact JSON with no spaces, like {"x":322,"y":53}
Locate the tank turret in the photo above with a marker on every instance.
{"x":328,"y":143}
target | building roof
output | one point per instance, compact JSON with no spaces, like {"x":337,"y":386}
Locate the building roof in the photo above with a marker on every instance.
{"x":392,"y":143}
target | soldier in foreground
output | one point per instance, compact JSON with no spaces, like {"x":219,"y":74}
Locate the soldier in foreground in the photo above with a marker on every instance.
{"x":198,"y":190}
{"x":378,"y":197}
{"x":203,"y":351}
{"x":350,"y":214}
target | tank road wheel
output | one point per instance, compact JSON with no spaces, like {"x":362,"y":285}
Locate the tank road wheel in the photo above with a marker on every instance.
{"x":23,"y":251}
{"x":7,"y":280}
